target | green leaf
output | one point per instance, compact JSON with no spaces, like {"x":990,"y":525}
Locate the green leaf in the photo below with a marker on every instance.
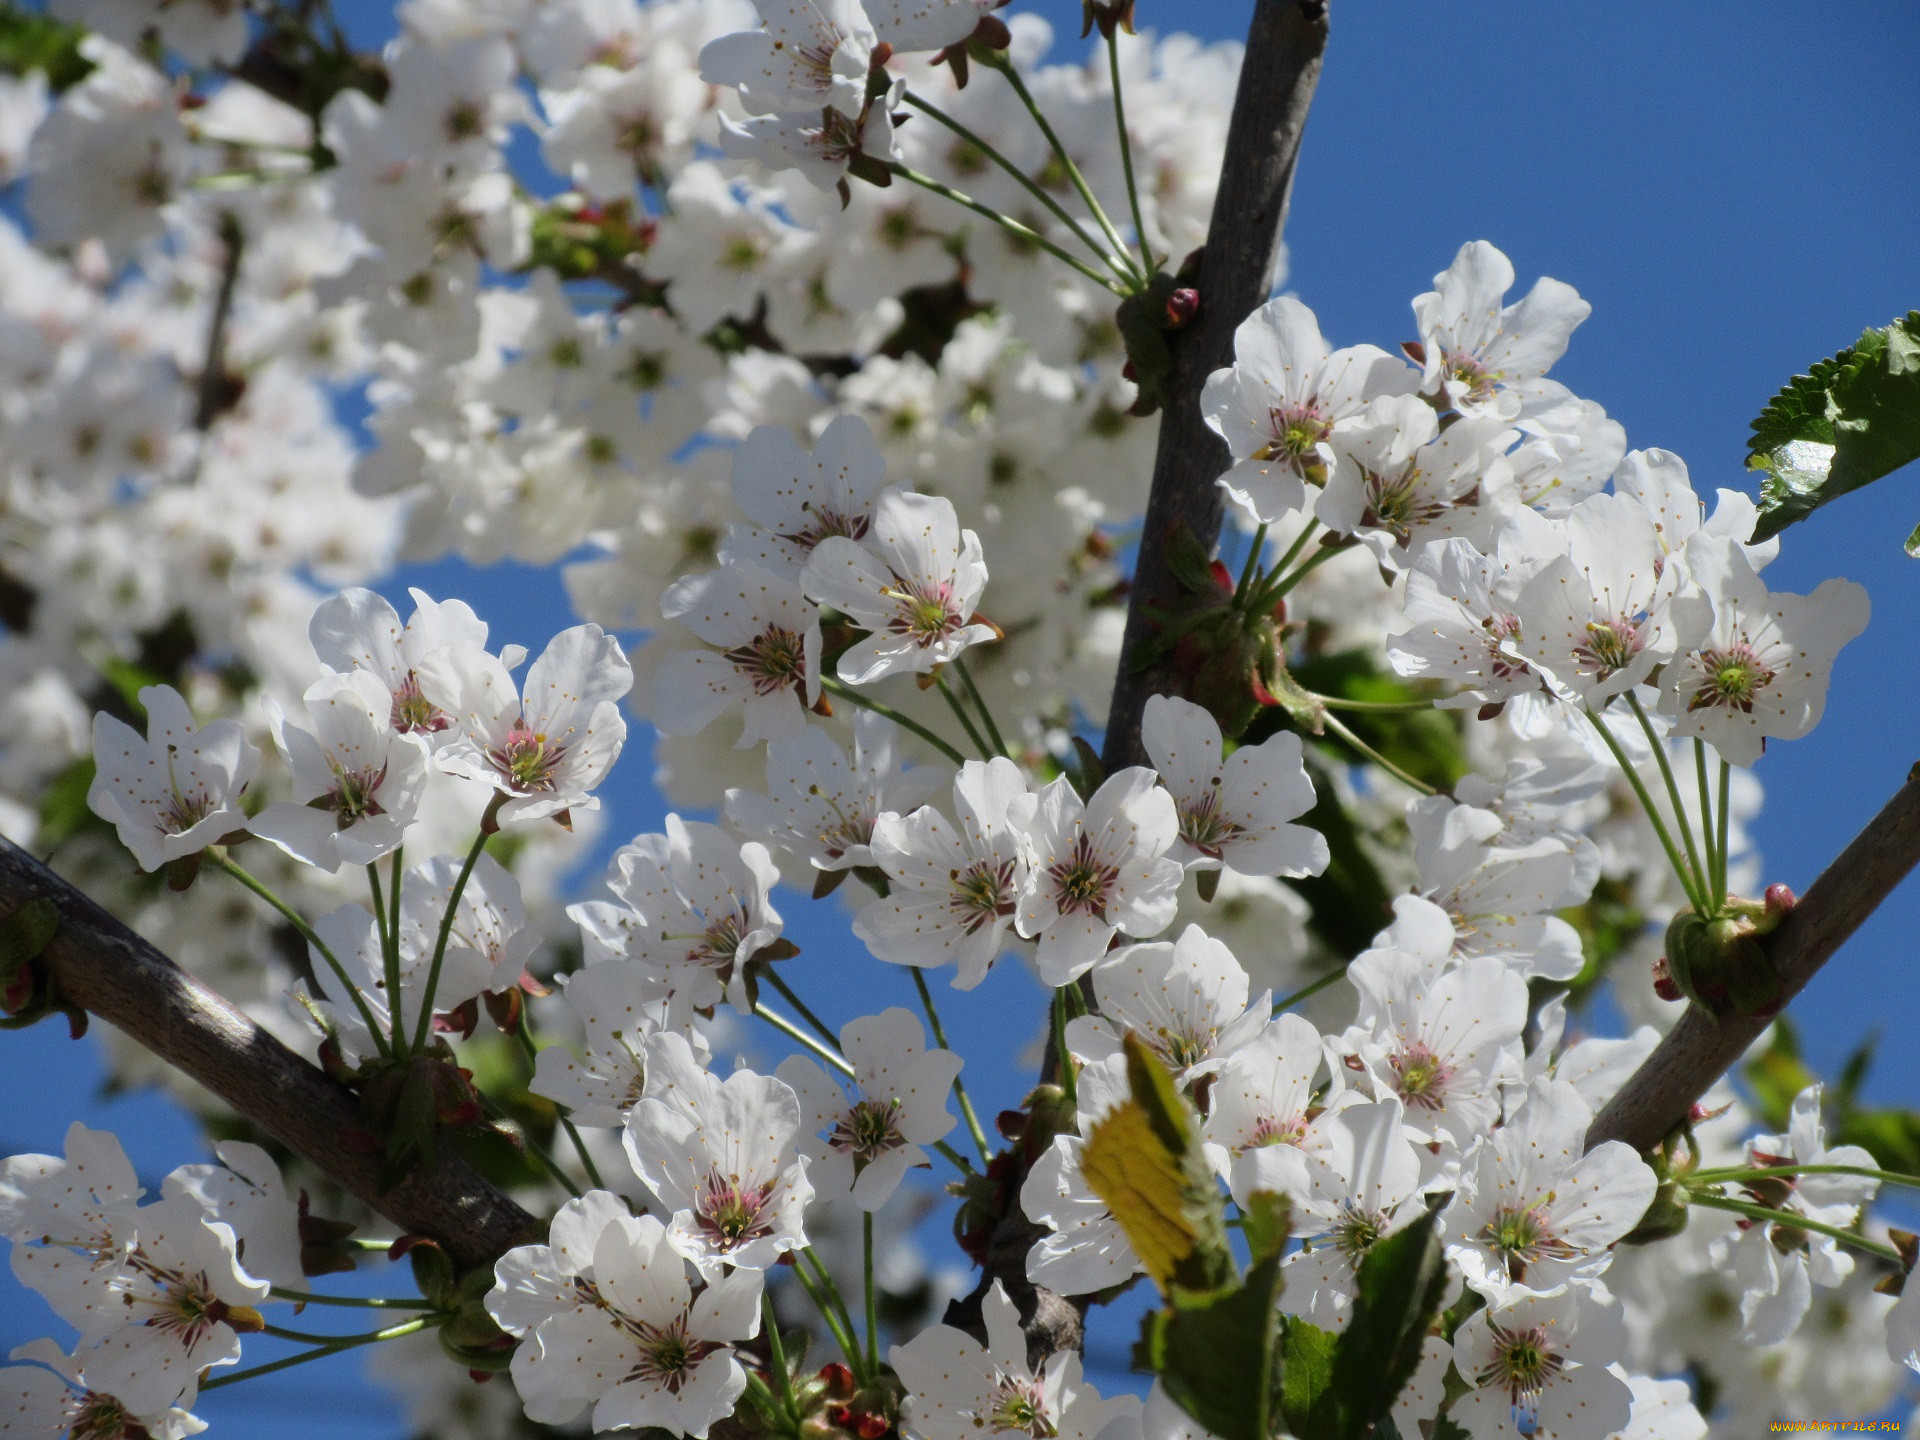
{"x":1145,"y":1161}
{"x":1216,"y":1353}
{"x":1307,"y":1403}
{"x":37,"y":42}
{"x":1850,"y":420}
{"x":1401,"y":1283}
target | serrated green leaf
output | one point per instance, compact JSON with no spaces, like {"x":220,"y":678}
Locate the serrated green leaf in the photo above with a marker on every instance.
{"x":1400,"y":1285}
{"x":1913,"y":543}
{"x":1307,"y":1404}
{"x":1216,"y":1353}
{"x":1850,"y":420}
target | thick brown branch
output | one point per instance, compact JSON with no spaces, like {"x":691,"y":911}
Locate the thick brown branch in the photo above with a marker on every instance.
{"x":101,"y":965}
{"x":1700,"y":1049}
{"x":1277,"y":80}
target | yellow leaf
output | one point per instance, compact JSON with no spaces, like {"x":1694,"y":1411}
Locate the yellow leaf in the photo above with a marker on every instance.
{"x":1128,"y":1166}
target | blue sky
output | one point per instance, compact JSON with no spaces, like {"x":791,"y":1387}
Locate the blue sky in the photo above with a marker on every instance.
{"x":1736,"y":190}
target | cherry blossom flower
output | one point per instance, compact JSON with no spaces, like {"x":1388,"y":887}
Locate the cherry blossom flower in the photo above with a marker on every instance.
{"x":822,"y":147}
{"x":184,"y":1299}
{"x":1185,"y":999}
{"x":719,"y":1155}
{"x":954,"y":885}
{"x":71,"y":1223}
{"x":1776,"y":1264}
{"x":912,"y":585}
{"x":1597,"y":620}
{"x":1485,"y":357}
{"x":1542,"y":1367}
{"x":176,"y":792}
{"x":1760,"y":671}
{"x":359,"y":630}
{"x":489,"y":930}
{"x":1260,"y":1123}
{"x":1500,"y":899}
{"x":1097,"y":868}
{"x":1281,"y":400}
{"x":356,"y":781}
{"x":1567,"y":454}
{"x":1401,"y":483}
{"x":1363,"y":1184}
{"x":613,"y":1324}
{"x":1232,"y":814}
{"x":899,"y":1105}
{"x":823,"y":806}
{"x":353,"y":935}
{"x":607,"y":1081}
{"x":1441,"y":1041}
{"x":958,"y":1389}
{"x":50,"y":1398}
{"x":245,"y":1193}
{"x":795,"y":499}
{"x":1532,"y":1209}
{"x":693,"y":911}
{"x":808,"y":56}
{"x":766,"y":636}
{"x":544,"y":749}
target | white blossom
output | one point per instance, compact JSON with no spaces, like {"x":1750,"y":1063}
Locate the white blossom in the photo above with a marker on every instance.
{"x":1186,"y":1000}
{"x":49,"y":1398}
{"x":359,"y":630}
{"x":766,"y":655}
{"x":177,"y":791}
{"x":795,"y":499}
{"x":1542,"y":1367}
{"x":1484,"y":356}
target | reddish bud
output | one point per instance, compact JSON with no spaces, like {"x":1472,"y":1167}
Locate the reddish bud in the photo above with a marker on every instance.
{"x":479,"y":1377}
{"x":1182,"y":306}
{"x":839,"y":1382}
{"x":1780,"y":900}
{"x":1664,"y":984}
{"x":870,"y":1427}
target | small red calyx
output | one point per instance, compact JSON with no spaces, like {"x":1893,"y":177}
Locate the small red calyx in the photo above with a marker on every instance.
{"x":1182,"y":305}
{"x":1780,"y":901}
{"x":838,"y":1380}
{"x":1664,"y":984}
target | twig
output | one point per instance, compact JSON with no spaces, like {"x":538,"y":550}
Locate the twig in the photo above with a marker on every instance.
{"x":217,"y":391}
{"x":1700,"y":1049}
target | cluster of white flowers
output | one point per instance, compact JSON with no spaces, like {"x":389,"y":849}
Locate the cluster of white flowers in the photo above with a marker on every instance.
{"x":804,"y":392}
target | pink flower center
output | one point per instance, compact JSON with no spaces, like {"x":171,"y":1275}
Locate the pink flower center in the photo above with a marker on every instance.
{"x":1205,"y":828}
{"x":774,"y":660}
{"x":1610,"y":646}
{"x":868,"y":1131}
{"x":1524,"y":1364}
{"x":1729,"y":679}
{"x":730,"y":1216}
{"x":1083,"y":883}
{"x":923,"y":613}
{"x":1297,"y":428}
{"x":527,"y":759}
{"x":413,"y":713}
{"x":822,"y":522}
{"x":982,"y":893}
{"x":668,"y":1354}
{"x":1277,"y":1130}
{"x":1420,"y":1077}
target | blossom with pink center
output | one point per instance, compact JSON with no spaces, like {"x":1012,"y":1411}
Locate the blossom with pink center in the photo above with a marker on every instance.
{"x":1486,"y":357}
{"x":360,"y":630}
{"x":177,"y":791}
{"x":720,"y":1156}
{"x":911,"y":585}
{"x":1263,"y":1115}
{"x":1759,"y":670}
{"x":1097,"y":868}
{"x":796,"y":499}
{"x":1186,"y":1000}
{"x":765,"y":658}
{"x":545,"y":748}
{"x":50,"y":1397}
{"x":1282,"y":399}
{"x":1543,"y":1367}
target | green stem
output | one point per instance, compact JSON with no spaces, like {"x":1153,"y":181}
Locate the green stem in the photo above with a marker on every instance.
{"x":1708,"y":881}
{"x":1307,"y":532}
{"x":778,"y":1350}
{"x":532,"y":1147}
{"x":1307,"y":567}
{"x":1735,"y":1174}
{"x":842,"y":1337}
{"x":786,"y":993}
{"x":1067,"y":1077}
{"x":1797,"y":1222}
{"x":367,"y":1244}
{"x":1673,"y":794}
{"x":1252,"y":567}
{"x":764,"y":1401}
{"x":1126,"y":148}
{"x":1383,"y":707}
{"x":1014,"y":227}
{"x":1720,"y":820}
{"x":980,"y":704}
{"x":393,"y":929}
{"x":960,"y":714}
{"x":389,"y":957}
{"x":809,"y":1255}
{"x":873,"y":1304}
{"x":1334,"y":724}
{"x":358,"y":1302}
{"x":964,"y":1165}
{"x":939,"y":116}
{"x":1307,"y":992}
{"x":853,"y":697}
{"x":959,"y":1089}
{"x":425,"y":1022}
{"x":1646,"y":804}
{"x":292,"y":917}
{"x":1079,"y":181}
{"x":331,"y":1347}
{"x":795,"y":1033}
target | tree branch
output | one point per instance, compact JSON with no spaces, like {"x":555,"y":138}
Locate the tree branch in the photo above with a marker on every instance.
{"x":101,"y":965}
{"x":1700,"y":1049}
{"x":1285,"y":45}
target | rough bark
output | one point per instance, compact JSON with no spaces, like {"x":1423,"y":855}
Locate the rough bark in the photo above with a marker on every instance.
{"x":1700,"y":1049}
{"x":1285,"y":45}
{"x":102,"y":966}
